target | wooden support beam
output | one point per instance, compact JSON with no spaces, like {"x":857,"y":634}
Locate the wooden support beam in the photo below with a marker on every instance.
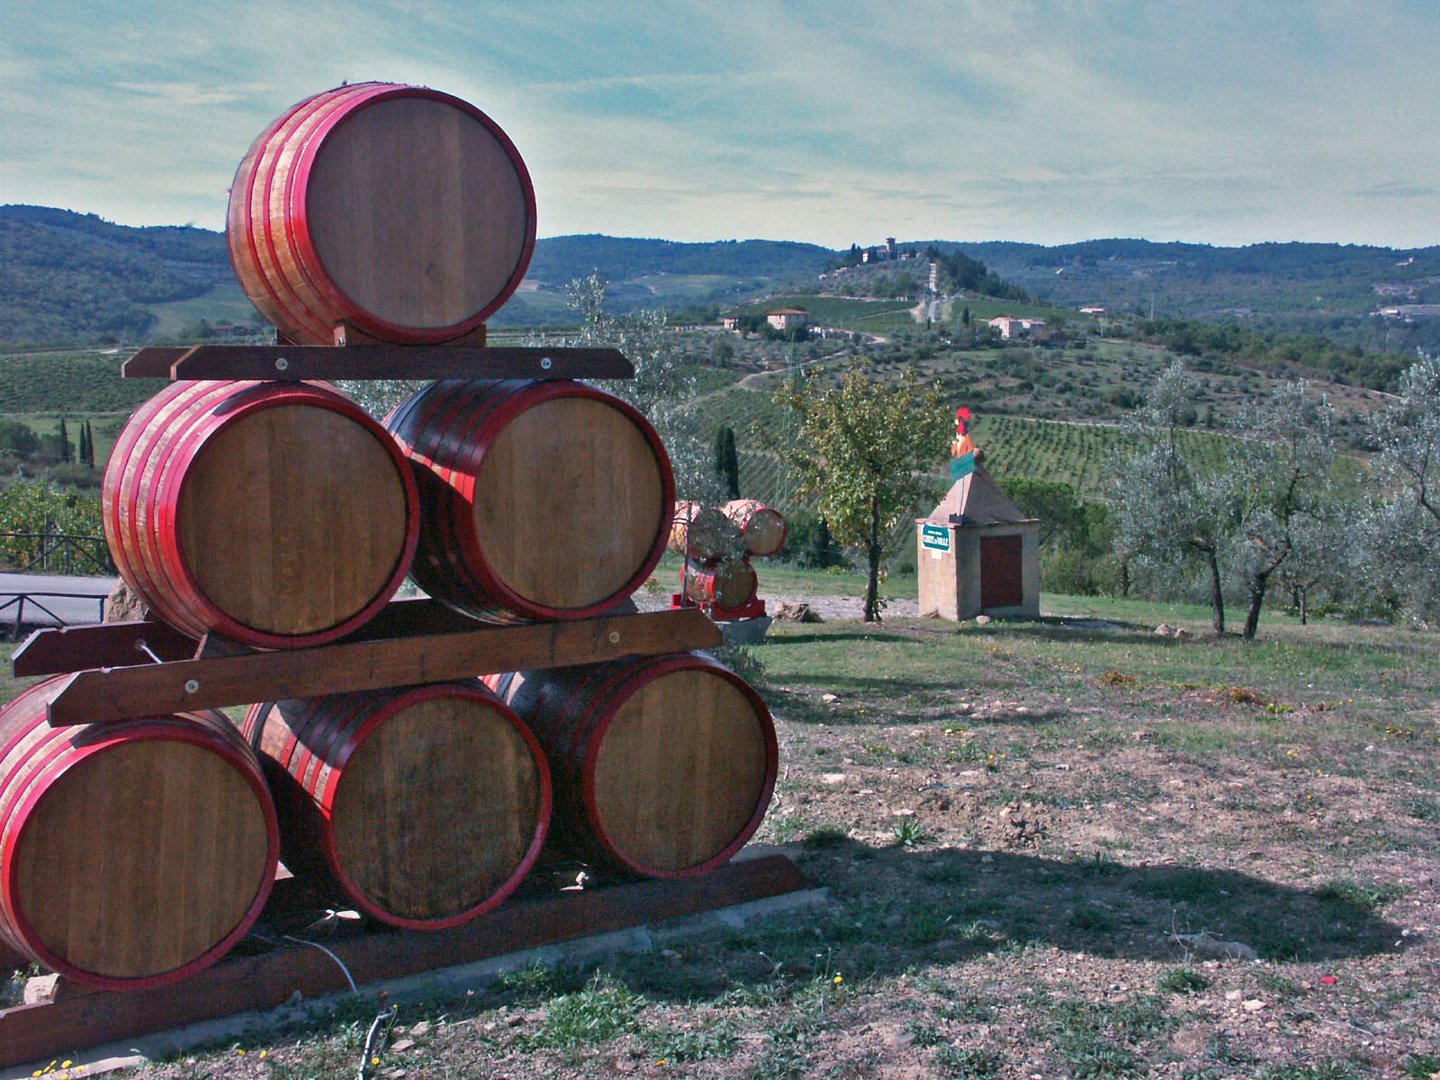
{"x":121,"y":693}
{"x":154,"y":362}
{"x":80,"y":1019}
{"x":377,"y":362}
{"x":53,"y":650}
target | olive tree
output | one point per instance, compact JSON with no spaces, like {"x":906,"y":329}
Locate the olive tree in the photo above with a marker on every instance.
{"x":663,"y":388}
{"x":863,"y":449}
{"x":1280,"y":463}
{"x":1401,"y":533}
{"x":1168,"y":510}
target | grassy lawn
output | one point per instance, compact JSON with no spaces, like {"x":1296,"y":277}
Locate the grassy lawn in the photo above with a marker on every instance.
{"x":1061,"y":847}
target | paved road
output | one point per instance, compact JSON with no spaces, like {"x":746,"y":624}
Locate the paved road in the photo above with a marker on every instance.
{"x":81,"y":605}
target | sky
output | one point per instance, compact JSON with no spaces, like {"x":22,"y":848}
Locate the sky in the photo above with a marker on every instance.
{"x":827,"y":121}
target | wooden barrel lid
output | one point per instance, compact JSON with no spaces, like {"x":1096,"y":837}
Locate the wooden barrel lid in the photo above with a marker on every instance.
{"x":569,"y":499}
{"x":293,"y":518}
{"x":764,"y":528}
{"x":682,"y":770}
{"x":177,"y":836}
{"x":438,"y":808}
{"x":419,"y":213}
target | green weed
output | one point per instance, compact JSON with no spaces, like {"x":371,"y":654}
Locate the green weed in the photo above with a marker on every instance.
{"x":1092,"y":919}
{"x":970,"y":1062}
{"x":671,"y":1045}
{"x":1424,"y":809}
{"x":924,"y":1035}
{"x":604,"y":1010}
{"x":1102,"y":1040}
{"x":825,"y":836}
{"x":1183,"y":980}
{"x":787,"y":830}
{"x":1368,"y":897}
{"x":1329,"y":1070}
{"x":910,"y":832}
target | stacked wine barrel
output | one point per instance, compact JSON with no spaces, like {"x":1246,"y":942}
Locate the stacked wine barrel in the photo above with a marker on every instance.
{"x":278,"y":515}
{"x":718,"y":543}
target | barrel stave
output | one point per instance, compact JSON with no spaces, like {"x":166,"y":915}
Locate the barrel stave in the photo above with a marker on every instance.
{"x":540,"y":500}
{"x":131,"y":854}
{"x":663,"y":766}
{"x":424,"y":806}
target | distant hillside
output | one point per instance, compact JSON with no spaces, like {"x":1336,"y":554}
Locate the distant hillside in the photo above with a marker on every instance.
{"x":67,"y":277}
{"x":74,"y":279}
{"x":664,"y":273}
{"x":1332,"y":289}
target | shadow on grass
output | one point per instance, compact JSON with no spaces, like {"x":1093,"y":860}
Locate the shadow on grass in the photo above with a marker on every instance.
{"x":1046,"y":628}
{"x":860,"y":632}
{"x":894,"y":910}
{"x":803,"y":709}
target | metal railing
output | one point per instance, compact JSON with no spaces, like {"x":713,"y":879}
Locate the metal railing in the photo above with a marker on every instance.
{"x":18,"y":600}
{"x":62,"y":553}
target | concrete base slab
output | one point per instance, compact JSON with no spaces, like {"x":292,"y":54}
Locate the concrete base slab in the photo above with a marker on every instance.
{"x":745,"y":631}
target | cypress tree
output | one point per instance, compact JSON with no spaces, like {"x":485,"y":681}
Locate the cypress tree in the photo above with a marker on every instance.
{"x":64,"y":442}
{"x":727,"y":461}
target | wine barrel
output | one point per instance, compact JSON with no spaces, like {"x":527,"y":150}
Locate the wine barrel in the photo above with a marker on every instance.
{"x":728,"y":583}
{"x":132,"y":854}
{"x":539,"y":500}
{"x":764,"y":529}
{"x":663,"y":765}
{"x":400,"y":210}
{"x":425,"y":806}
{"x":279,"y":515}
{"x":703,"y":533}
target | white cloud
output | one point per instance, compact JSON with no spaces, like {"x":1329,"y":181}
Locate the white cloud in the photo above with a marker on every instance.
{"x":1222,"y":121}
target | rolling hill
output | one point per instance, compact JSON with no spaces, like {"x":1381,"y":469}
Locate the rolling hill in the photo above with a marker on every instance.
{"x":71,"y":278}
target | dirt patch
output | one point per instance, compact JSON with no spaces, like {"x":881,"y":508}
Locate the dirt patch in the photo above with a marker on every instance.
{"x":1223,"y":861}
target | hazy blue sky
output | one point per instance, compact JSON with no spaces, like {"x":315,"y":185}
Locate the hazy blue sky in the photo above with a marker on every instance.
{"x":819,"y":120}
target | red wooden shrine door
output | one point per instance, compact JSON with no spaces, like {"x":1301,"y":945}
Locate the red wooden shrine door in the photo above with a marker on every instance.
{"x":1000,"y":584}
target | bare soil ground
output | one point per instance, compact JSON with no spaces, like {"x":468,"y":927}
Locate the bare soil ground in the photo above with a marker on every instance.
{"x":1062,"y":848}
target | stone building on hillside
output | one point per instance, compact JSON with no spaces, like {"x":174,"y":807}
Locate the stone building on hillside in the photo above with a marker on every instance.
{"x":787,"y":318}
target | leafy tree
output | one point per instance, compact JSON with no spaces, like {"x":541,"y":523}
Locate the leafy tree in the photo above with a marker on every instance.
{"x":1321,"y":552}
{"x":17,"y":438}
{"x":862,"y":448}
{"x":1402,"y":534}
{"x":1279,"y":465}
{"x":1167,"y":508}
{"x":1057,"y":505}
{"x":808,"y":542}
{"x":727,"y":461}
{"x":29,"y":509}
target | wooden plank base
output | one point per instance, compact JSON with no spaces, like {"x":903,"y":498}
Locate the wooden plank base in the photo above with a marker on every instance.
{"x":78,"y":1018}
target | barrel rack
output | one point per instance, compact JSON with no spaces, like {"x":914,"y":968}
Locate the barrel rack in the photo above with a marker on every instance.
{"x":122,"y":670}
